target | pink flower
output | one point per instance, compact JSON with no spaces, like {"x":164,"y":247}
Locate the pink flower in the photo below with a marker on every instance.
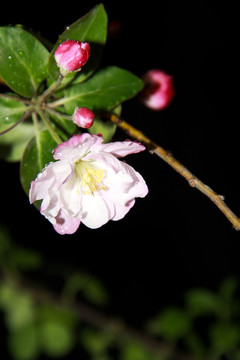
{"x":71,"y":55}
{"x":158,"y":91}
{"x":88,"y":183}
{"x":83,"y":117}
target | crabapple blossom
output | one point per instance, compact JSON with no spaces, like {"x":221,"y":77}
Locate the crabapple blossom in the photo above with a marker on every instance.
{"x":88,"y":183}
{"x":83,"y":117}
{"x":71,"y":55}
{"x":158,"y":91}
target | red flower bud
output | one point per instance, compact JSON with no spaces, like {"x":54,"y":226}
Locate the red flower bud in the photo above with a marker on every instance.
{"x":83,"y":117}
{"x":158,"y":91}
{"x":71,"y":55}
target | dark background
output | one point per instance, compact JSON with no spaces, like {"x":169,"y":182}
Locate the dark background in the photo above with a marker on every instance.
{"x":175,"y":238}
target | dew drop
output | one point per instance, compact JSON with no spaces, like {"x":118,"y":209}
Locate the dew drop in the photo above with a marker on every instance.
{"x":10,"y":61}
{"x":20,"y":53}
{"x":6,"y":118}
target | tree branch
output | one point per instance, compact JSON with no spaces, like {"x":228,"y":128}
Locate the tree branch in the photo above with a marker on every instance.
{"x":24,"y":117}
{"x":165,"y":155}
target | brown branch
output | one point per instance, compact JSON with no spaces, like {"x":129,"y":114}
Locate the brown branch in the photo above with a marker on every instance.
{"x":24,"y":117}
{"x":192,"y":180}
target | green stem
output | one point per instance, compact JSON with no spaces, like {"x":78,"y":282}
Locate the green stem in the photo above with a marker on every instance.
{"x":57,"y":103}
{"x":35,"y":122}
{"x":50,"y":90}
{"x":58,"y":113}
{"x":36,"y":127}
{"x":55,"y":136}
{"x":25,"y":101}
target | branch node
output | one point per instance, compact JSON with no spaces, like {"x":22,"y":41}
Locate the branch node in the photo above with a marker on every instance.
{"x":192,"y":183}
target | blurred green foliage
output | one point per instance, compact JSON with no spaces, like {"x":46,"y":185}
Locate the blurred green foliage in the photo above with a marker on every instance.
{"x":205,"y":327}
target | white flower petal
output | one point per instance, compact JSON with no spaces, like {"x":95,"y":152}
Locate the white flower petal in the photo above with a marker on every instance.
{"x":65,"y":224}
{"x":88,"y":183}
{"x":95,"y":211}
{"x":123,"y":148}
{"x":70,"y":196}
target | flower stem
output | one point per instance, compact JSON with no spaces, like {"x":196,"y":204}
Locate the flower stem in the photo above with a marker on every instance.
{"x":50,"y":90}
{"x":192,"y":180}
{"x":35,"y":122}
{"x":58,"y":102}
{"x":58,"y":113}
{"x":55,"y":136}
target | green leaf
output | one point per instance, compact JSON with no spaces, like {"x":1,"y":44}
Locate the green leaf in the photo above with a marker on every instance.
{"x":24,"y":343}
{"x":21,"y":313}
{"x":23,"y":60}
{"x":225,"y":337}
{"x":65,"y":128}
{"x":25,"y":259}
{"x":203,"y":302}
{"x":228,"y":288}
{"x":56,"y":330}
{"x":172,"y":323}
{"x":56,"y":314}
{"x":37,"y":154}
{"x":237,"y":355}
{"x":96,"y":342}
{"x":57,"y":339}
{"x":137,"y":351}
{"x":108,"y":88}
{"x":13,"y":143}
{"x":105,"y":128}
{"x":91,"y":287}
{"x":11,"y":111}
{"x":18,"y":306}
{"x":90,"y":28}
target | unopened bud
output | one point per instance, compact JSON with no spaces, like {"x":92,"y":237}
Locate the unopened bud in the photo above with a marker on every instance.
{"x":71,"y":55}
{"x":158,"y":91}
{"x":83,"y":117}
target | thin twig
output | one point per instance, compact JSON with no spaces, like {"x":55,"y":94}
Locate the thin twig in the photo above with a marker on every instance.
{"x":192,"y":180}
{"x":24,"y":117}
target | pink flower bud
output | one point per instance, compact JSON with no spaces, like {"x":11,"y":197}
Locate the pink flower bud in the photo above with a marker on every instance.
{"x":158,"y":91}
{"x":83,"y":117}
{"x":71,"y":55}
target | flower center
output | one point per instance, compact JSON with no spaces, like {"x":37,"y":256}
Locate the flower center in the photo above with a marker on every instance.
{"x":90,"y":177}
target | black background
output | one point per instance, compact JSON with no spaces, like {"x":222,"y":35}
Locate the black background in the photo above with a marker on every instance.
{"x":175,"y":238}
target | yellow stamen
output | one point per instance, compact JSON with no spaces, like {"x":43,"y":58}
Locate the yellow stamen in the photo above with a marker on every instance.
{"x":90,"y":177}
